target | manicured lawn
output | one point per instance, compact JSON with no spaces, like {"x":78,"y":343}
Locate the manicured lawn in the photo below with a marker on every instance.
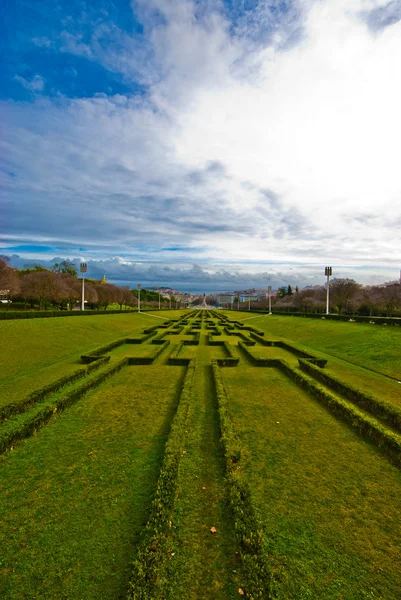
{"x":74,"y":498}
{"x":329,"y":501}
{"x":35,"y":352}
{"x":375,"y":347}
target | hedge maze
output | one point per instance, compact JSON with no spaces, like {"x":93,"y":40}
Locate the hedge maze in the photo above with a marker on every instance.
{"x":252,"y":476}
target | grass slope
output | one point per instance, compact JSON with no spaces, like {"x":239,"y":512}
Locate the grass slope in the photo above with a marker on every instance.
{"x":73,"y":499}
{"x":35,"y":352}
{"x":329,"y":502}
{"x":375,"y":347}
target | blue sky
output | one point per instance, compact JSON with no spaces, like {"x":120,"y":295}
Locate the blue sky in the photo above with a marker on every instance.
{"x":218,"y":144}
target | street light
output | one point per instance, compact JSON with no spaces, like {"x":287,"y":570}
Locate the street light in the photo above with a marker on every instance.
{"x":83,"y":267}
{"x":159,"y":300}
{"x":269,"y":290}
{"x":249,"y":301}
{"x":139,"y":297}
{"x":328,"y":271}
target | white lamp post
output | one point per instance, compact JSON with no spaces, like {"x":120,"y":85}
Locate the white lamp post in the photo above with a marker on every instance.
{"x":139,"y":297}
{"x":328,"y":271}
{"x":83,"y":267}
{"x":269,"y":291}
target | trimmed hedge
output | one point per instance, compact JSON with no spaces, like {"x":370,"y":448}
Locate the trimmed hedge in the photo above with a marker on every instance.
{"x":334,"y":317}
{"x":232,"y":359}
{"x":148,"y":360}
{"x":15,"y":408}
{"x":378,"y":408}
{"x":42,"y":314}
{"x":26,"y":429}
{"x":255,"y":359}
{"x":176,"y":359}
{"x":382,"y":437}
{"x":258,"y":576}
{"x":321,"y":362}
{"x":151,"y":559}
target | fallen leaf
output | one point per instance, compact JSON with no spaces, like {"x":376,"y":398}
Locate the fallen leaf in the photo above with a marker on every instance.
{"x":213,"y":530}
{"x":241,"y":592}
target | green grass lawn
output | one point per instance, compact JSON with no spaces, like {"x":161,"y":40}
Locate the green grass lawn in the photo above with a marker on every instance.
{"x":203,"y":563}
{"x":375,"y":347}
{"x":35,"y":352}
{"x":329,"y":501}
{"x":74,"y":498}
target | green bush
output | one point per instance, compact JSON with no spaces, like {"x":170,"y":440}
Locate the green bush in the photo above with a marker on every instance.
{"x":151,"y":558}
{"x":41,"y":314}
{"x":247,"y":527}
{"x":378,"y":408}
{"x":26,"y":428}
{"x":378,"y":434}
{"x":41,"y":393}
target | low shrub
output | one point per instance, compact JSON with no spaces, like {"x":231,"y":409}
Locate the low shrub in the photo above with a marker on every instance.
{"x":40,"y":394}
{"x":378,"y":408}
{"x":42,"y":314}
{"x":248,"y":530}
{"x":369,"y":427}
{"x":151,"y":558}
{"x":26,"y":428}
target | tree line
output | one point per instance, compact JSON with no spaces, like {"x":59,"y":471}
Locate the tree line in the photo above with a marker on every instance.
{"x":59,"y":287}
{"x":346,"y":297}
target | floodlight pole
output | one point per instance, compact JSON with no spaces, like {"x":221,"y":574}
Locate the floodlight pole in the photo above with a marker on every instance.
{"x":83,"y":267}
{"x":269,"y":290}
{"x":249,"y":301}
{"x":238,"y":301}
{"x":328,"y":271}
{"x":170,"y":300}
{"x":159,"y":300}
{"x":139,"y":297}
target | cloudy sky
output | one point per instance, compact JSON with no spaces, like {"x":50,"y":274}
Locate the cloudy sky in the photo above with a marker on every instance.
{"x":203,"y":144}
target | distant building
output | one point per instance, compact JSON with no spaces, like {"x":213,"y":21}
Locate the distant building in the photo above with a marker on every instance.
{"x":225,"y":298}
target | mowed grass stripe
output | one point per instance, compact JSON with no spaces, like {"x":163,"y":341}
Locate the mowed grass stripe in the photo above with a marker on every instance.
{"x":73,"y":500}
{"x":329,"y":501}
{"x":203,"y":562}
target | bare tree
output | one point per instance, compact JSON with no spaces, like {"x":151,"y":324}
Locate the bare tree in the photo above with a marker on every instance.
{"x":40,"y":286}
{"x":391,"y":297}
{"x":342,"y":292}
{"x":9,"y":281}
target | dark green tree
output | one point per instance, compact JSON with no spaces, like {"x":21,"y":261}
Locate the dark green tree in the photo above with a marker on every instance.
{"x":66,"y":266}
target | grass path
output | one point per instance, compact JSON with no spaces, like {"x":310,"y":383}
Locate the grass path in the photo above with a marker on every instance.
{"x":203,"y":563}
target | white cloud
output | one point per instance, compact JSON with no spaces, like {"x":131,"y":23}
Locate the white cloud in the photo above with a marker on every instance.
{"x":249,"y":147}
{"x":36,"y":84}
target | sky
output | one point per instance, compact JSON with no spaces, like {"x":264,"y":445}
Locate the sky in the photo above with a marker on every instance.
{"x":206,"y":145}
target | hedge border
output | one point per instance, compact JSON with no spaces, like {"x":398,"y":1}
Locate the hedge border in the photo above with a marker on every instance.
{"x":386,"y":440}
{"x":257,"y":575}
{"x":14,"y":408}
{"x":375,"y":406}
{"x":150,"y":561}
{"x":27,"y":428}
{"x":42,"y":314}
